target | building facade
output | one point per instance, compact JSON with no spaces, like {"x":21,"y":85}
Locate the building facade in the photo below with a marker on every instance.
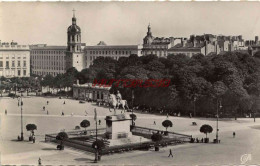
{"x":47,"y":59}
{"x":156,"y":45}
{"x":74,"y":53}
{"x":113,"y":51}
{"x":89,"y":92}
{"x":14,"y":60}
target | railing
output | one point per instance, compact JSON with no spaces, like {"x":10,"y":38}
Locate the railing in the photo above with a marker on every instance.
{"x":147,"y":133}
{"x":83,"y":140}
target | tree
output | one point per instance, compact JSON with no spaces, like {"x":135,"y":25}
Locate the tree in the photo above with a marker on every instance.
{"x":99,"y":144}
{"x":85,"y":124}
{"x":156,"y":138}
{"x":133,"y":116}
{"x":31,"y":127}
{"x":166,"y":124}
{"x":62,"y":136}
{"x":206,"y":129}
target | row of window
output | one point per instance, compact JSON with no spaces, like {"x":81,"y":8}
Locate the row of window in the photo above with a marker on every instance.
{"x":49,"y":68}
{"x":7,"y":65}
{"x":95,"y":57}
{"x":110,"y":52}
{"x":45,"y":73}
{"x":13,"y":57}
{"x":47,"y":57}
{"x":46,"y":52}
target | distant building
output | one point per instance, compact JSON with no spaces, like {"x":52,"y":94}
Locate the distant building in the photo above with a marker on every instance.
{"x":74,"y":54}
{"x":47,"y":59}
{"x":14,"y":60}
{"x":113,"y":51}
{"x":155,"y":45}
{"x":89,"y":92}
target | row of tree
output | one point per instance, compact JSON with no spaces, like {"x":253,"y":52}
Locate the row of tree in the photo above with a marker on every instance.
{"x":198,"y":84}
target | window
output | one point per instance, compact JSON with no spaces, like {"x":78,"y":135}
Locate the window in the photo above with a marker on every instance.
{"x":7,"y":64}
{"x":12,"y":63}
{"x":19,"y":64}
{"x":24,"y":63}
{"x":1,"y":63}
{"x":19,"y":72}
{"x":24,"y":72}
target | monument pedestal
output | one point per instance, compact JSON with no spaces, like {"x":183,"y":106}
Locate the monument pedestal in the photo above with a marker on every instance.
{"x":118,"y":126}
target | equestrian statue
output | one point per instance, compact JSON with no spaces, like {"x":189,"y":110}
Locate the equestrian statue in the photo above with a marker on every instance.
{"x":116,"y":100}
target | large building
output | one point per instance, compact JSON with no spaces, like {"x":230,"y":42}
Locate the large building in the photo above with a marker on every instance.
{"x":14,"y":60}
{"x":156,"y":45}
{"x":47,"y":59}
{"x":113,"y":51}
{"x":74,"y":54}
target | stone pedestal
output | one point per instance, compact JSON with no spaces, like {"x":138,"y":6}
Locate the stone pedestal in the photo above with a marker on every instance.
{"x":118,"y":126}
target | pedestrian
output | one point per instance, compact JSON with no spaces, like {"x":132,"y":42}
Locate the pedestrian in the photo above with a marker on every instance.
{"x":201,"y":140}
{"x":62,"y":113}
{"x":47,"y":112}
{"x":18,"y":138}
{"x":99,"y":121}
{"x":40,"y":161}
{"x":5,"y":112}
{"x":47,"y":102}
{"x":190,"y":115}
{"x":86,"y":113}
{"x":33,"y":139}
{"x":170,"y":154}
{"x":154,"y":122}
{"x":167,"y":116}
{"x":234,"y":134}
{"x":64,"y":102}
{"x":43,"y":108}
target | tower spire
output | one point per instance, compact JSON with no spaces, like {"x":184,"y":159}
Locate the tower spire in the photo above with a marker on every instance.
{"x":73,"y":12}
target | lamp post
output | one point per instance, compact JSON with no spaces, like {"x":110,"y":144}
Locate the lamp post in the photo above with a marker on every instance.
{"x":20,"y":103}
{"x":219,"y":106}
{"x":194,"y":114}
{"x":133,"y":106}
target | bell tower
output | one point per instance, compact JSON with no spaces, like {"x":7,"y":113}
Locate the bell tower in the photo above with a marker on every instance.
{"x":74,"y":54}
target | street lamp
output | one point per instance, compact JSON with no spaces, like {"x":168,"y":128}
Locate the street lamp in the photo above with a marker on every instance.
{"x":194,"y":114}
{"x":133,"y":107}
{"x":20,"y":103}
{"x":219,"y":106}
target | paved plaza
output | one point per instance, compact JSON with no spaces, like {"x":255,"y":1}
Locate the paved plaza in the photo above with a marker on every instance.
{"x":229,"y":151}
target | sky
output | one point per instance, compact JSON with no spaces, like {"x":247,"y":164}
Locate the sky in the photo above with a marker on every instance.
{"x":118,"y":23}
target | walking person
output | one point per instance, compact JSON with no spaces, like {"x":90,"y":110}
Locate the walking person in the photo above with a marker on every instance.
{"x":47,"y":102}
{"x":234,"y":134}
{"x":39,"y":161}
{"x":86,"y":113}
{"x":167,"y":116}
{"x":64,"y":102}
{"x":99,"y":121}
{"x":5,"y":112}
{"x":170,"y":154}
{"x":47,"y":112}
{"x":33,"y":139}
{"x":154,"y":122}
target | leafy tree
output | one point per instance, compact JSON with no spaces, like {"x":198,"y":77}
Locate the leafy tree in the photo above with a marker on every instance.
{"x":166,"y":124}
{"x":85,"y":124}
{"x":206,"y":129}
{"x":99,"y":144}
{"x":133,"y":116}
{"x":62,"y":136}
{"x":31,"y":128}
{"x":156,"y":138}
